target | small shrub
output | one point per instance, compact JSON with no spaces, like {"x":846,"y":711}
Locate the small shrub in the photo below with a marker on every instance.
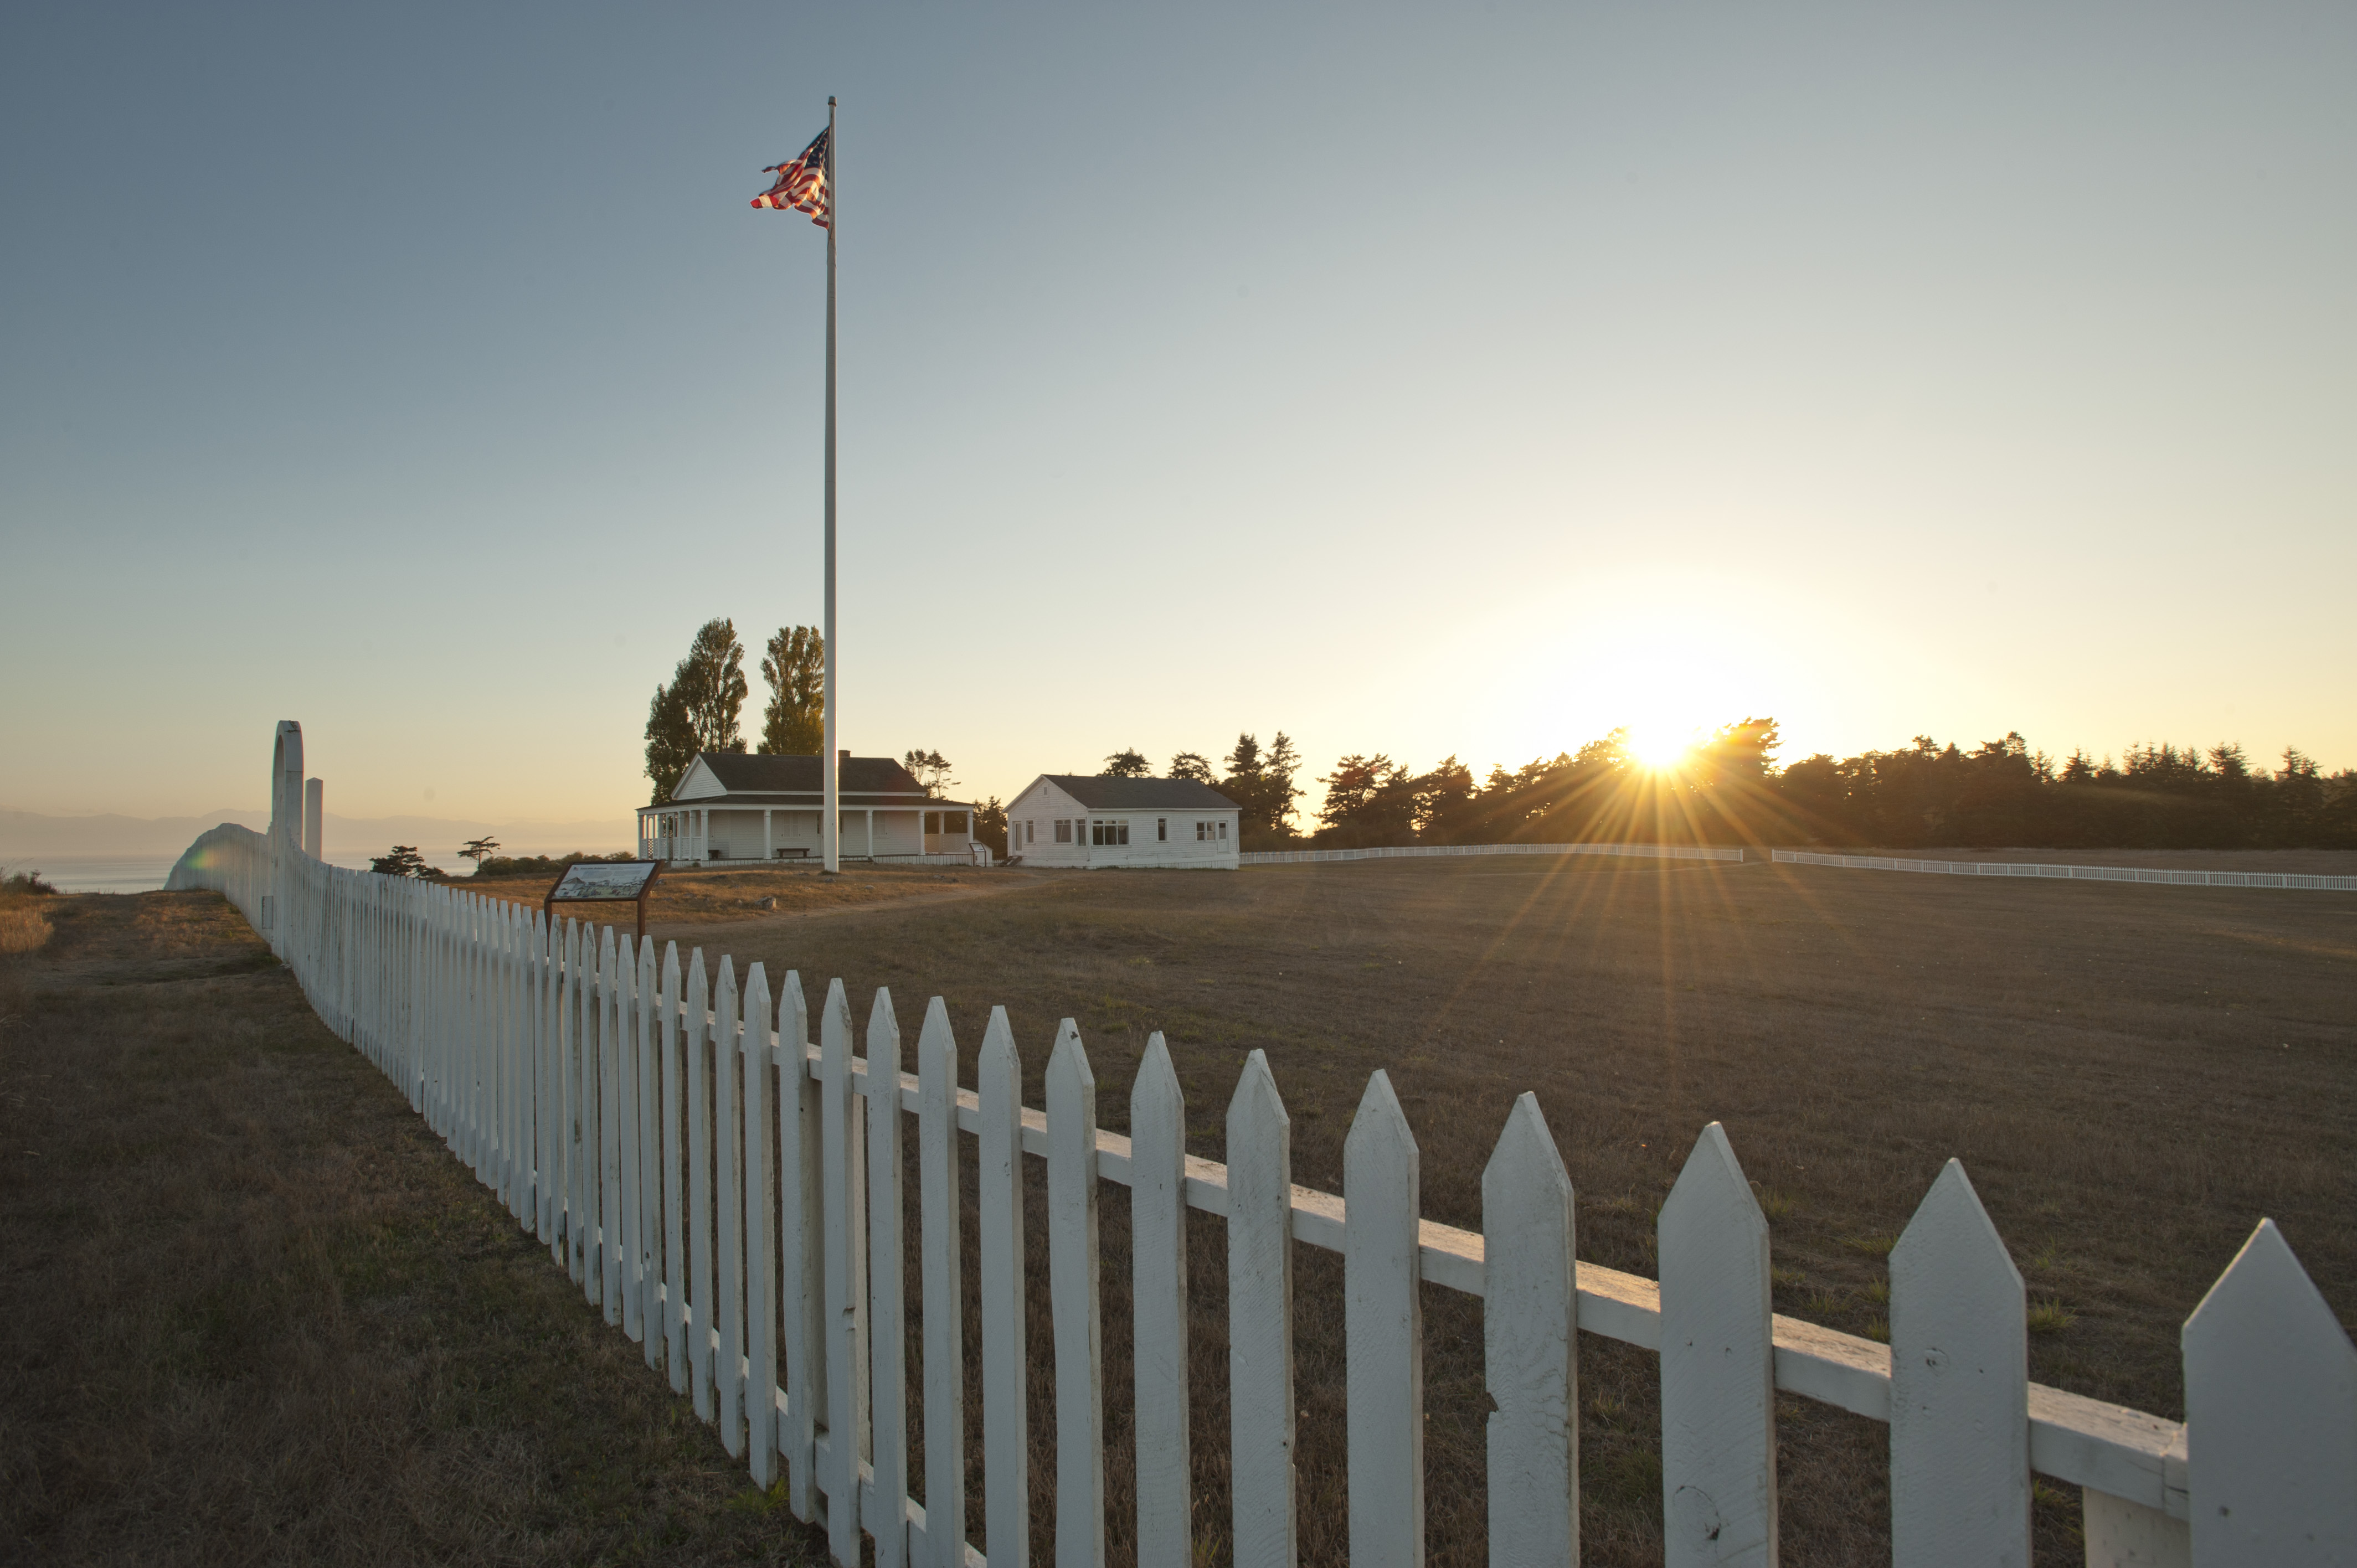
{"x":2051,"y":1317}
{"x":27,"y":883}
{"x":1879,"y":1293}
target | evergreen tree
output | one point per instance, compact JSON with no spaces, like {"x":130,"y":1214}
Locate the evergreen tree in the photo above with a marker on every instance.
{"x":929,"y":768}
{"x":794,"y":724}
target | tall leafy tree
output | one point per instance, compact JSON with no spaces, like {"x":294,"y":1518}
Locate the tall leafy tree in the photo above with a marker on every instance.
{"x":671,"y":742}
{"x":1193,"y":765}
{"x":711,"y":684}
{"x":1126,"y":765}
{"x":794,"y":724}
{"x":698,"y":712}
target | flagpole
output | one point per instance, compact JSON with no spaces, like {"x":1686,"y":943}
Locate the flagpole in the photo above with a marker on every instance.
{"x":831,"y":765}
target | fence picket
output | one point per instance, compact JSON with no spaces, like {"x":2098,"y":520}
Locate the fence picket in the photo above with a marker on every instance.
{"x":1719,"y":1396}
{"x":2270,"y":1416}
{"x":610,"y":986}
{"x":1005,"y":1361}
{"x":576,"y":1258}
{"x":1260,"y":1320}
{"x":697,"y":1029}
{"x":844,"y":1165}
{"x":1959,"y":1389}
{"x":1157,"y":1241}
{"x":942,"y":1284}
{"x":800,"y":1232}
{"x":1072,"y":1302}
{"x":888,"y":1342}
{"x":760,"y":1230}
{"x":1530,"y":1345}
{"x":678,"y":1362}
{"x":646,"y":1199}
{"x":551,"y":1094}
{"x":1383,"y":1317}
{"x":624,"y":1219}
{"x":728,"y":1180}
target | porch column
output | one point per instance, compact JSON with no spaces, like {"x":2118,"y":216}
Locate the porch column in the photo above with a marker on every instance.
{"x":769,"y":851}
{"x":871,"y":832}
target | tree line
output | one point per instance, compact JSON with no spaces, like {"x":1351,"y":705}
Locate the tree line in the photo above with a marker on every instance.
{"x":1730,"y":791}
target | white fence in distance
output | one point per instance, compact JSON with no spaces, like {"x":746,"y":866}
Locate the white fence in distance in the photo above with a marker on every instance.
{"x":625,"y":1111}
{"x":2072,"y":873}
{"x":1635,"y":851}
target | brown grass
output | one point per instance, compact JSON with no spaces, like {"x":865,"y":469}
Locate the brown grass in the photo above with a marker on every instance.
{"x":23,"y":923}
{"x":2132,"y":1076}
{"x":686,"y":899}
{"x":253,"y":1311}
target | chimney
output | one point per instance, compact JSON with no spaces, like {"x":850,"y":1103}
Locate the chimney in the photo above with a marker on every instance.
{"x":841,"y":756}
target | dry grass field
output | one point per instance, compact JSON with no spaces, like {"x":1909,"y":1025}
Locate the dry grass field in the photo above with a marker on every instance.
{"x":2132,"y":1076}
{"x":267,"y":1310}
{"x":683,"y":900}
{"x":253,"y":1312}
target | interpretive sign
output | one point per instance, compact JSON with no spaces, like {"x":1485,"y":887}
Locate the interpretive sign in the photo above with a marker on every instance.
{"x":605,"y":882}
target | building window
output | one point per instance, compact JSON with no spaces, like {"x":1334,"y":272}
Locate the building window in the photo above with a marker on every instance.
{"x":932,"y":821}
{"x":1223,"y":830}
{"x":1063,"y":830}
{"x":1031,"y":831}
{"x":1109,"y":832}
{"x":1203,"y":831}
{"x":1161,"y":829}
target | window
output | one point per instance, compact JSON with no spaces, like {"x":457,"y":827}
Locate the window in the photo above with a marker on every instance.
{"x":1161,"y":828}
{"x":1224,"y":831}
{"x":1203,"y":831}
{"x":1031,"y":831}
{"x":932,"y":822}
{"x":1063,"y":830}
{"x":1109,"y":832}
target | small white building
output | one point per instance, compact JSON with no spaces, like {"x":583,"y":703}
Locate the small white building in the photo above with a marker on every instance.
{"x":1074,"y":819}
{"x":732,"y":807}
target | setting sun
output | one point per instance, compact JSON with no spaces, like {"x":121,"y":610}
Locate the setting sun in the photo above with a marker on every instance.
{"x":1659,"y":747}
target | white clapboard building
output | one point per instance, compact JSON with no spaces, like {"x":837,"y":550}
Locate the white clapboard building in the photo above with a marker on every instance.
{"x":1075,"y":819}
{"x":730,"y":806}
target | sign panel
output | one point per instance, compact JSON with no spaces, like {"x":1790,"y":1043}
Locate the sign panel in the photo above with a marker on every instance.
{"x":604,"y":880}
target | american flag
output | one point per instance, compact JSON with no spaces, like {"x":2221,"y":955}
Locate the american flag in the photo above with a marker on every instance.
{"x":801,"y":183}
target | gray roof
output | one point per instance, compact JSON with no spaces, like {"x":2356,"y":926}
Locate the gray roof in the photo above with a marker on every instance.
{"x":740,"y":773}
{"x":1102,"y":794}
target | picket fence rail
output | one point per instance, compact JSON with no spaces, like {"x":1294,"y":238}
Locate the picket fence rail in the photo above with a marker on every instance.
{"x":1637,"y":851}
{"x":2074,"y":873}
{"x":626,"y":1111}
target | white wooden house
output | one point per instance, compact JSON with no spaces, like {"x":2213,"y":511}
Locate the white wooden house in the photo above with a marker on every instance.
{"x":1073,"y":819}
{"x":732,"y":807}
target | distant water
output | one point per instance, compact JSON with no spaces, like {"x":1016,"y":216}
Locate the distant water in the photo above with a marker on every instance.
{"x":108,"y":873}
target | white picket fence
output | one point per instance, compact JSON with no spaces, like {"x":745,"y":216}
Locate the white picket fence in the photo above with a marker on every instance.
{"x":626,"y":1111}
{"x":2072,"y":873}
{"x":1426,"y":851}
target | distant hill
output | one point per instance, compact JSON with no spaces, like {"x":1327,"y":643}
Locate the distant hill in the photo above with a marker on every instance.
{"x":33,"y":833}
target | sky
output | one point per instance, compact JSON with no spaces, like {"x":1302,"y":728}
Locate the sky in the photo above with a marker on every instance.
{"x":1410,"y":381}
